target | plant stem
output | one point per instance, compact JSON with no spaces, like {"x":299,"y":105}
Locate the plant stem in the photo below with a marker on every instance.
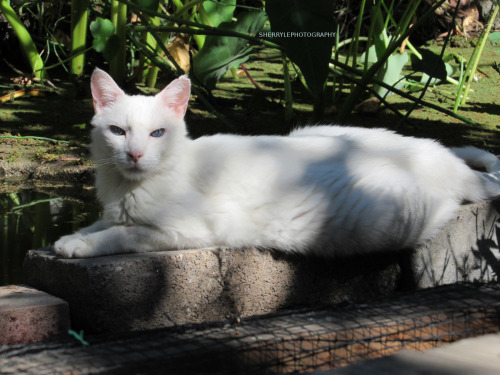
{"x":357,"y":31}
{"x":150,"y":74}
{"x":199,"y":28}
{"x":34,"y":203}
{"x":67,"y":59}
{"x":181,"y":9}
{"x":368,"y":76}
{"x":33,"y":137}
{"x":288,"y":88}
{"x":207,"y":30}
{"x":482,"y":42}
{"x":163,"y":65}
{"x":119,"y":19}
{"x":399,"y":92}
{"x":79,"y":16}
{"x":27,"y":45}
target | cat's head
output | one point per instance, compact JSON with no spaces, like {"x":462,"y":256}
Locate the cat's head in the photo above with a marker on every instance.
{"x":135,"y":134}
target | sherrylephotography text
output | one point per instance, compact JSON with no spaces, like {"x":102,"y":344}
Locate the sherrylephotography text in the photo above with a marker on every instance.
{"x":296,"y":34}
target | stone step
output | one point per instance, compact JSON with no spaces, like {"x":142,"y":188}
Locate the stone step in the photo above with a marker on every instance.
{"x":28,"y":315}
{"x":292,"y":342}
{"x":161,"y":289}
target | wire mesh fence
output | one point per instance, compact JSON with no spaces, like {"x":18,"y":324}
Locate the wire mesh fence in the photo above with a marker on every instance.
{"x":292,"y":342}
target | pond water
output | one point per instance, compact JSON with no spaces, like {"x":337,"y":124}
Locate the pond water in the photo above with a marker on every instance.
{"x":31,"y":220}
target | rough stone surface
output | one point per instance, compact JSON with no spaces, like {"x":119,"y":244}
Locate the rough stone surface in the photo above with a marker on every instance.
{"x":161,"y":289}
{"x":28,"y":315}
{"x":465,"y":250}
{"x":151,"y":290}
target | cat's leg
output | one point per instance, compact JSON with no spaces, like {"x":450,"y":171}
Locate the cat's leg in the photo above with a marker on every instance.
{"x":96,"y":227}
{"x":114,"y":240}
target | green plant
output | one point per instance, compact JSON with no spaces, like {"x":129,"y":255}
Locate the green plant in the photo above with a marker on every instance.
{"x":307,"y":37}
{"x":470,"y":71}
{"x":79,"y":16}
{"x":119,"y":20}
{"x":28,"y":47}
{"x":220,"y":53}
{"x":384,"y":47}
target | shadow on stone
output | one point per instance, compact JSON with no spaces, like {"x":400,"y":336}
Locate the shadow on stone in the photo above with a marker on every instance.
{"x":164,"y":289}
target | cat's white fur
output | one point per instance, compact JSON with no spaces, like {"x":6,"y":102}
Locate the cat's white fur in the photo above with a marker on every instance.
{"x":327,"y":190}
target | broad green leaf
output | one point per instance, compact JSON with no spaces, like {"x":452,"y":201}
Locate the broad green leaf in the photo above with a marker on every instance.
{"x":494,"y":37}
{"x":430,"y":64}
{"x":380,"y":37}
{"x":213,"y":13}
{"x":298,"y":20}
{"x":450,"y":70}
{"x":391,"y":73}
{"x":220,"y":53}
{"x":219,"y":11}
{"x":372,"y":55}
{"x":105,"y":41}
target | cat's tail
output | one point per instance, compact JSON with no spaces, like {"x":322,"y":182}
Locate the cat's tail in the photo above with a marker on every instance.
{"x":485,"y":164}
{"x":478,"y":159}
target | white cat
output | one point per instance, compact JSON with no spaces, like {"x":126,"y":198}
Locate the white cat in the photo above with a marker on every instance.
{"x":327,"y":190}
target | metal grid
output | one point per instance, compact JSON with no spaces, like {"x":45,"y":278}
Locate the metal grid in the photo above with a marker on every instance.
{"x":292,"y":342}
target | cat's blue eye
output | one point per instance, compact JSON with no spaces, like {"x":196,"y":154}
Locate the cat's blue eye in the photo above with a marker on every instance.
{"x":157,"y":133}
{"x":116,"y":130}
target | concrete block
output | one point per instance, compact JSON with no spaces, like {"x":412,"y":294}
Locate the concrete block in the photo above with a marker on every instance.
{"x":28,"y":315}
{"x":465,"y":250}
{"x":161,"y":289}
{"x":151,"y":290}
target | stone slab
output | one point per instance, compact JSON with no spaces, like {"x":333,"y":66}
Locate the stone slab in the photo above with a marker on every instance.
{"x":162,"y":289}
{"x":466,"y":250}
{"x":28,"y":315}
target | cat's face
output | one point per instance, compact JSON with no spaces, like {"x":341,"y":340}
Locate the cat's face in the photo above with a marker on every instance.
{"x":136,"y":133}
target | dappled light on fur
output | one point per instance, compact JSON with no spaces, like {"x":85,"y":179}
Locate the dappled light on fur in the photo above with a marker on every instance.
{"x":327,"y":190}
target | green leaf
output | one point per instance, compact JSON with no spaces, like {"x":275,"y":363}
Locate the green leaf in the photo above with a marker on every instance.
{"x":219,"y":11}
{"x":105,"y":41}
{"x":372,"y":55}
{"x":450,"y":70}
{"x":310,"y":53}
{"x":494,"y":37}
{"x":431,"y":64}
{"x":220,"y":53}
{"x":391,"y":73}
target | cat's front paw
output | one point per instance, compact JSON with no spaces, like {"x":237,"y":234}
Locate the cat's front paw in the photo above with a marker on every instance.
{"x":74,"y":246}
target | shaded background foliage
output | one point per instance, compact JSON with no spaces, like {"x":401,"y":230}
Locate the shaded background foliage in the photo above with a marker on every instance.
{"x":211,"y":38}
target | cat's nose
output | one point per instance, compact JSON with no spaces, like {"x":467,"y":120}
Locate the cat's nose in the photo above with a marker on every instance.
{"x":135,"y":156}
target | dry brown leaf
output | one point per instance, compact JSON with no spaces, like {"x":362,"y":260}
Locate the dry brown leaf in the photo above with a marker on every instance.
{"x":180,"y":52}
{"x":471,"y":21}
{"x":370,"y":105}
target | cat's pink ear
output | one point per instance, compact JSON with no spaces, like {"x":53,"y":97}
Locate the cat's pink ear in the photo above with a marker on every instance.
{"x":104,"y":90}
{"x":175,"y":96}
